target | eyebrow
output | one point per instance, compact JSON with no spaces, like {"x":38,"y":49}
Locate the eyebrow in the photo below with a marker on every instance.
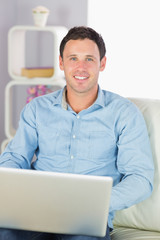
{"x":71,"y":55}
{"x":90,"y":56}
{"x":75,"y":55}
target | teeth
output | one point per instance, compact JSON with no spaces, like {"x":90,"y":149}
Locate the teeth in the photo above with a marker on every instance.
{"x":80,"y":78}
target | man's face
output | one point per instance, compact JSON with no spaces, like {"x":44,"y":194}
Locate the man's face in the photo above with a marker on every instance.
{"x":81,"y":64}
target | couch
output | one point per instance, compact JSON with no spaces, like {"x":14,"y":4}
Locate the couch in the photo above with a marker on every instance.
{"x":142,"y":221}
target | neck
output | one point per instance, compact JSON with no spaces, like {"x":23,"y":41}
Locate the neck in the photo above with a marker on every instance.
{"x":79,"y":101}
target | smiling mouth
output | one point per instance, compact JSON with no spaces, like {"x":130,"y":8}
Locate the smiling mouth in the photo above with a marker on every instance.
{"x":80,"y":77}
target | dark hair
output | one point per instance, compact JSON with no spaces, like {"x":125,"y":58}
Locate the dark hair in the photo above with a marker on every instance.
{"x":81,"y":32}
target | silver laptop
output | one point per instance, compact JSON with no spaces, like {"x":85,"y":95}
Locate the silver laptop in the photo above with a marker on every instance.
{"x":54,"y":202}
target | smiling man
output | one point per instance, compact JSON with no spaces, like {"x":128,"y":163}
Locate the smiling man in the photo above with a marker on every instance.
{"x":81,"y":62}
{"x":83,"y":129}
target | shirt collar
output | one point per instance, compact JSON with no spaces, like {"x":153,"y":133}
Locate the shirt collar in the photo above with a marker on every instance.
{"x":100,"y":98}
{"x":64,"y":103}
{"x":61,"y":99}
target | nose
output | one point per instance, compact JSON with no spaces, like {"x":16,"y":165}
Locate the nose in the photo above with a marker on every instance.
{"x":81,"y":64}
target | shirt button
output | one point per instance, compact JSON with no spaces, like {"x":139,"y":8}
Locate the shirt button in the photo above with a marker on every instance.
{"x":78,"y":116}
{"x":74,"y":136}
{"x":72,"y":156}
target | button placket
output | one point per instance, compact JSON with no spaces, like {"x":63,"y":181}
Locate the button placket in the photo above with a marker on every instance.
{"x":73,"y":146}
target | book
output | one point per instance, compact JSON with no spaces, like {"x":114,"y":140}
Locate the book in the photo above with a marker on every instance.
{"x":37,"y":72}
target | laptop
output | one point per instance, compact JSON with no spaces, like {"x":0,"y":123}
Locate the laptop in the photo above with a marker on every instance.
{"x":54,"y":202}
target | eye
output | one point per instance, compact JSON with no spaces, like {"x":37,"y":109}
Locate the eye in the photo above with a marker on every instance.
{"x":73,"y":58}
{"x":89,"y":59}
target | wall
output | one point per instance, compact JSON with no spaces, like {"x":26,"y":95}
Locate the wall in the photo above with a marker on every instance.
{"x":18,"y":12}
{"x":131,"y":32}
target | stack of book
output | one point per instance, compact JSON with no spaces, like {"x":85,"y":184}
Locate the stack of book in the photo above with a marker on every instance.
{"x":37,"y":72}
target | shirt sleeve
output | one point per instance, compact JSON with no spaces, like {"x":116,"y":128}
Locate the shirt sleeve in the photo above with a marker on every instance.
{"x":134,"y":161}
{"x":20,"y":151}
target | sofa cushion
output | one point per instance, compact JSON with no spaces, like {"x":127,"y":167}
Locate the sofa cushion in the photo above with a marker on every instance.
{"x":146,"y":215}
{"x":122,"y":233}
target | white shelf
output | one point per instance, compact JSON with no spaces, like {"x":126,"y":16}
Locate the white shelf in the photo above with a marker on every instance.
{"x":4,"y":144}
{"x":17,"y":61}
{"x":17,"y":48}
{"x":9,"y":129}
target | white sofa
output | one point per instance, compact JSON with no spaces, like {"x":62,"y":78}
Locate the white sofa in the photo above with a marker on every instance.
{"x":142,"y":221}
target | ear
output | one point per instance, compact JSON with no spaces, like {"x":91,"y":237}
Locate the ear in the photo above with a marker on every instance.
{"x":61,"y":63}
{"x":103,"y":63}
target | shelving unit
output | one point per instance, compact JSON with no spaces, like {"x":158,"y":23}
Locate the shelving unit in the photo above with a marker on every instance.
{"x":17,"y":50}
{"x":17,"y":61}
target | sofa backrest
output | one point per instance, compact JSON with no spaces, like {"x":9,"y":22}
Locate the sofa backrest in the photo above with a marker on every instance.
{"x":146,"y":215}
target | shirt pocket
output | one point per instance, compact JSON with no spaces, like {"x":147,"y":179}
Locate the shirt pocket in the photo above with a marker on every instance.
{"x":53,"y":142}
{"x":97,"y":145}
{"x":102,"y":145}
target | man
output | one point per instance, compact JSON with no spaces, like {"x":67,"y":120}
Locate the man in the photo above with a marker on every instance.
{"x":83,"y":129}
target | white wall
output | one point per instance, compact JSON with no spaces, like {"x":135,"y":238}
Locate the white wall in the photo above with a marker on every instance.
{"x":131,"y":30}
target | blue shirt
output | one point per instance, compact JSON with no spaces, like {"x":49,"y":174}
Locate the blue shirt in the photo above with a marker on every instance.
{"x":107,"y":139}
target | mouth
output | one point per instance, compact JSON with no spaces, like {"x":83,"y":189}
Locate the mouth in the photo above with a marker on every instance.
{"x":81,"y":78}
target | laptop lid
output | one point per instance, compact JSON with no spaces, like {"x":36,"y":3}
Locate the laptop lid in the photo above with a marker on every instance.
{"x":54,"y":202}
